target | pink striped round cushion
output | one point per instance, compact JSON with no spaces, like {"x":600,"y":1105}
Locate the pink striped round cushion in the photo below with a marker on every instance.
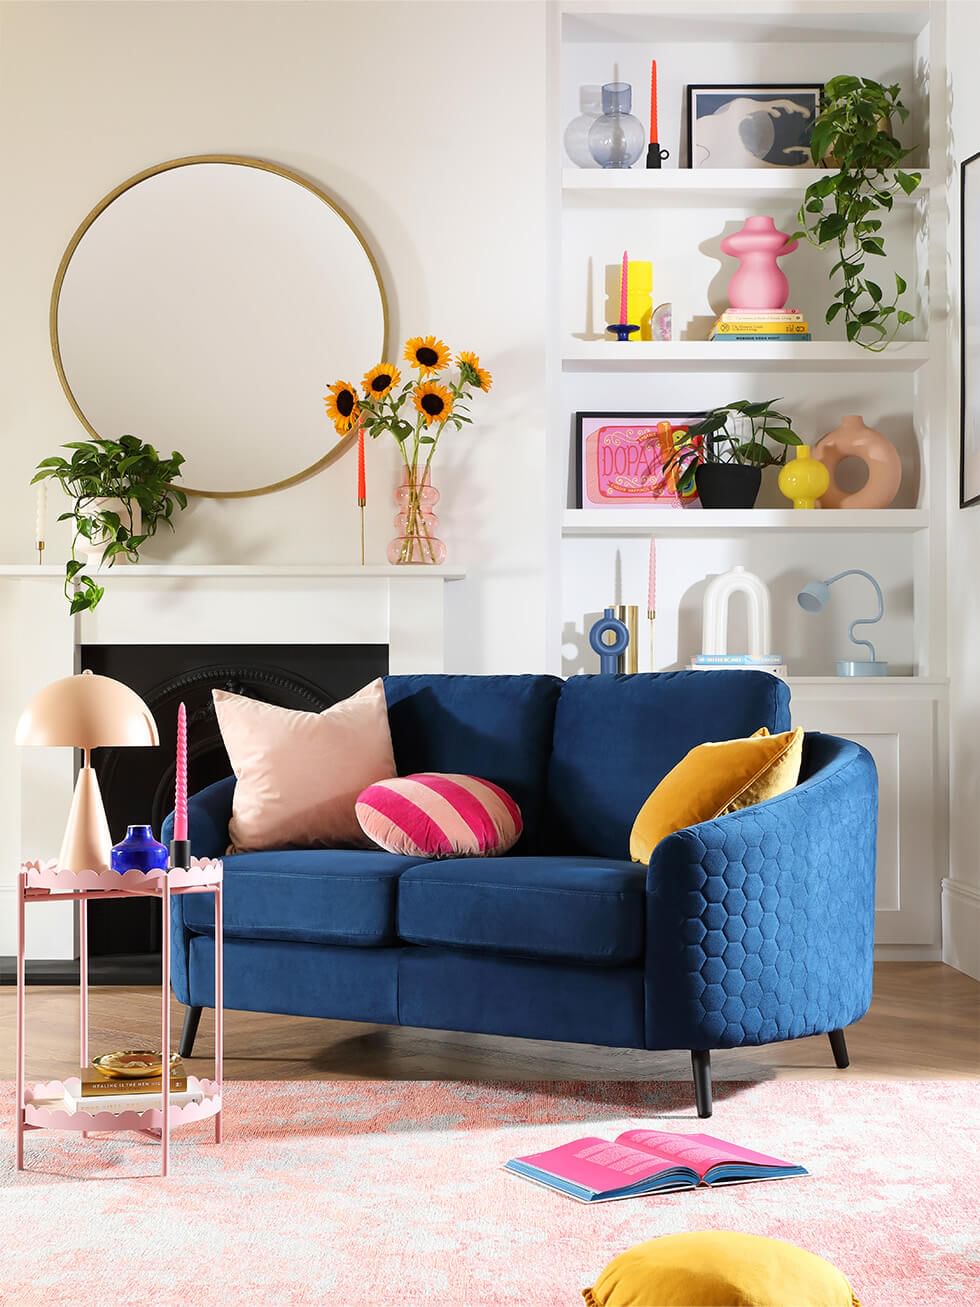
{"x":438,"y":815}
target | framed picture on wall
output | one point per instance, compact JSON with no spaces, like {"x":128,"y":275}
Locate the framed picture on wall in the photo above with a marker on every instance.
{"x":969,"y":332}
{"x":751,"y":126}
{"x":620,"y":457}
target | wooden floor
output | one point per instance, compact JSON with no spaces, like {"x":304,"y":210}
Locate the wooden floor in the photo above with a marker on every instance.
{"x":924,"y":1023}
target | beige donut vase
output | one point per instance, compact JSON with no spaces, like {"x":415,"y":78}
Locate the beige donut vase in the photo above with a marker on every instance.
{"x":852,"y":439}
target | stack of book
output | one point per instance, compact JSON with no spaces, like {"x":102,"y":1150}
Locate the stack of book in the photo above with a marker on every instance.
{"x":770,"y":662}
{"x":761,"y":324}
{"x":100,"y":1093}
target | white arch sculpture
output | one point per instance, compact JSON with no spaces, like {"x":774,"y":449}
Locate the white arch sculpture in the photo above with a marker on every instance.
{"x":717,"y":596}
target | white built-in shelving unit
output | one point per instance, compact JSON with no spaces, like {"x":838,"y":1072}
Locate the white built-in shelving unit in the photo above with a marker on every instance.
{"x":675,"y":217}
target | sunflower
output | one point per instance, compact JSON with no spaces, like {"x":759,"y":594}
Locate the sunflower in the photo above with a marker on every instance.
{"x":469,"y":365}
{"x":342,"y":407}
{"x":380,"y":381}
{"x":433,"y":401}
{"x":427,"y":354}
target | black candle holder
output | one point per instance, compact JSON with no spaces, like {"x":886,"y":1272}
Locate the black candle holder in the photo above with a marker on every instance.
{"x":655,"y":155}
{"x":623,"y":329}
{"x":180,"y":853}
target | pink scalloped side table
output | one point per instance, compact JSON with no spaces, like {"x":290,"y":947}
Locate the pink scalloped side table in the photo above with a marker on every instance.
{"x":45,"y":882}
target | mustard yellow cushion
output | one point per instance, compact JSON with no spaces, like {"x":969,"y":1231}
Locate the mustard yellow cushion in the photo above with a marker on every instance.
{"x":719,"y":1268}
{"x":717,"y":778}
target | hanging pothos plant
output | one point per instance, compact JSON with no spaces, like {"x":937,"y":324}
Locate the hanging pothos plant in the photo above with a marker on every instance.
{"x":853,"y":133}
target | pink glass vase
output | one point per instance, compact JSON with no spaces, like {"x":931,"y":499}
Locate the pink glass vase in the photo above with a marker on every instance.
{"x":417,"y":540}
{"x":759,"y":283}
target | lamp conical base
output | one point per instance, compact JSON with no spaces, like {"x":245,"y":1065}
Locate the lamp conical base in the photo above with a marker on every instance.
{"x":87,"y":844}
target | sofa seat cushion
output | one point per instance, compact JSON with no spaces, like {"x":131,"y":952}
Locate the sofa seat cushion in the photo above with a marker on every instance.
{"x":315,"y":896}
{"x":584,"y":909}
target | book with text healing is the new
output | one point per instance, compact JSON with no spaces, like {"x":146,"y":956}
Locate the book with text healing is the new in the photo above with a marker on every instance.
{"x":640,"y":1162}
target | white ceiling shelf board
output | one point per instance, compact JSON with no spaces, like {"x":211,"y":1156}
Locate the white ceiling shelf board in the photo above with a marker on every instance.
{"x":731,"y":356}
{"x":850,"y":21}
{"x":615,"y":522}
{"x":678,"y":185}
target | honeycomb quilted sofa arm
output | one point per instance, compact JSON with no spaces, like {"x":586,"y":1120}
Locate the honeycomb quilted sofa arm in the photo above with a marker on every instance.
{"x":760,"y":924}
{"x":208,"y":815}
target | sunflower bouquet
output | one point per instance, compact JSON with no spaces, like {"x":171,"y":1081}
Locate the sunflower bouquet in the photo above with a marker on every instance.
{"x":416,"y":412}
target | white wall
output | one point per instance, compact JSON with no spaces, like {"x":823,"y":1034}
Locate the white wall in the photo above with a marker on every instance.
{"x":961,"y":893}
{"x":427,"y":122}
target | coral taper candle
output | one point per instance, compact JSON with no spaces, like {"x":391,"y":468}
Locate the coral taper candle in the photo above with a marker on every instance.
{"x":361,"y":480}
{"x":40,"y":517}
{"x":180,"y":800}
{"x":624,"y":287}
{"x":654,"y":126}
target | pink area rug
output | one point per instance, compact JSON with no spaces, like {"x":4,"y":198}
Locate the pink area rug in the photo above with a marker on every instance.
{"x":371,"y":1193}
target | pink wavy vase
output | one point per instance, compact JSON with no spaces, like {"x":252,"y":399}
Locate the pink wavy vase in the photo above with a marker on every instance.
{"x":759,"y":283}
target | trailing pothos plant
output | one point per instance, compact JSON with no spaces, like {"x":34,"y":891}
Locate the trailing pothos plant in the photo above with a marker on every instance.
{"x":853,"y":133}
{"x":101,"y":477}
{"x":735,"y":433}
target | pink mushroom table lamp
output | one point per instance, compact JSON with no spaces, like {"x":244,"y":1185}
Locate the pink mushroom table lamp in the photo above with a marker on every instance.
{"x":86,"y":712}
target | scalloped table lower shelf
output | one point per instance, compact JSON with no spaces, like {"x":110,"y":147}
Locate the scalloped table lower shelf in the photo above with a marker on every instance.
{"x":42,"y":1106}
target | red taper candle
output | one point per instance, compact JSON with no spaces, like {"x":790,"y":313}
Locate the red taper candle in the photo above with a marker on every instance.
{"x":180,"y":802}
{"x":654,"y":126}
{"x":361,"y":480}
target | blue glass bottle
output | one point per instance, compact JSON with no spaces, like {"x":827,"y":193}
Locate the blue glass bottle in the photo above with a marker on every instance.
{"x":138,"y":850}
{"x":616,"y":138}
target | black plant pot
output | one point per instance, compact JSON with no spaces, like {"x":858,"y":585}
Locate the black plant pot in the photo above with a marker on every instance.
{"x":727,"y":485}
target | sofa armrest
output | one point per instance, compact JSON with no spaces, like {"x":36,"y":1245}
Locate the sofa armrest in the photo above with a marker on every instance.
{"x":760,"y":924}
{"x":208,"y":815}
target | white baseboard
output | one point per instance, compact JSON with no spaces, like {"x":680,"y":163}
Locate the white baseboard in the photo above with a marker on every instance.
{"x":908,"y":953}
{"x":961,"y":926}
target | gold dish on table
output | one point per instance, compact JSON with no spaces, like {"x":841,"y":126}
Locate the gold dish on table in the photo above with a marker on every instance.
{"x":134,"y":1063}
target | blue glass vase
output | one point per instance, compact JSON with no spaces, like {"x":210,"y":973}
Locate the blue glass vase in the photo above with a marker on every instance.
{"x":139,"y":851}
{"x":617,"y":138}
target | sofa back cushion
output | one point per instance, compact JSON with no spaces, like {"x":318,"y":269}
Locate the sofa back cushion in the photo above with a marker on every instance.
{"x":497,"y":727}
{"x":617,"y":737}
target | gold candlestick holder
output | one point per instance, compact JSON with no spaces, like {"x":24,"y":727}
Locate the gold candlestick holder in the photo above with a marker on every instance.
{"x":629,"y":615}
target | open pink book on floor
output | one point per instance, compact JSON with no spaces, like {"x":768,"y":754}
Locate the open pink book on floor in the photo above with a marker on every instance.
{"x":646,"y":1162}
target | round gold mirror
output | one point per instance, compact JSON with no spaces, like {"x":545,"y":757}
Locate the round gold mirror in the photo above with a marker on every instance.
{"x":204,"y":305}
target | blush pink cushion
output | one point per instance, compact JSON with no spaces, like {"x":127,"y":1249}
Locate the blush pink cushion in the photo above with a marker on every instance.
{"x":437,"y":815}
{"x":299,"y":773}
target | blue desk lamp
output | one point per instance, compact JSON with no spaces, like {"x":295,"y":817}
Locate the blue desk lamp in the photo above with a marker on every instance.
{"x":813,"y":597}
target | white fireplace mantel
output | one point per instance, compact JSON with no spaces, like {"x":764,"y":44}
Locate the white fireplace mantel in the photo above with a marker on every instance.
{"x":402,"y":607}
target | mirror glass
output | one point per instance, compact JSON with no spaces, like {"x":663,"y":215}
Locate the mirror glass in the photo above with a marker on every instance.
{"x":206,"y":308}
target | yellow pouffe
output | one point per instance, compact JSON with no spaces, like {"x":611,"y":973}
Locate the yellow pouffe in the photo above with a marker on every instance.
{"x":719,"y":1268}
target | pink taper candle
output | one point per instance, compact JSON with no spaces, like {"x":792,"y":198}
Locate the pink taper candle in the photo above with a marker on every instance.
{"x":180,"y":804}
{"x":623,"y":285}
{"x":652,"y":581}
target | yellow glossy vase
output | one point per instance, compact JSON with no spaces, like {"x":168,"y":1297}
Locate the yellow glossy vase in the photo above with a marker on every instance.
{"x":639,"y":298}
{"x":804,"y":480}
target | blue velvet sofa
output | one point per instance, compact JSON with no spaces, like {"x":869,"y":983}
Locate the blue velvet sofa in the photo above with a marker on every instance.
{"x":748,"y":929}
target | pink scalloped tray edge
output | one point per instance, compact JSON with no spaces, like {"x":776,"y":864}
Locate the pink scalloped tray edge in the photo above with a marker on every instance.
{"x":47,"y":875}
{"x":52,"y":1118}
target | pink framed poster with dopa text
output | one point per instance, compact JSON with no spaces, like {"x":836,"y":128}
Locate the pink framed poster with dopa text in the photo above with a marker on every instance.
{"x":621,"y":457}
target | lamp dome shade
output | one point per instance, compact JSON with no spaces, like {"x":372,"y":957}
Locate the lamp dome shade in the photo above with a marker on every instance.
{"x":87,"y":712}
{"x":814,"y":596}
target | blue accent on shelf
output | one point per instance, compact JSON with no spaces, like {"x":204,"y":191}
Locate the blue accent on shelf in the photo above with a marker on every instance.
{"x":139,"y":851}
{"x":609,"y":654}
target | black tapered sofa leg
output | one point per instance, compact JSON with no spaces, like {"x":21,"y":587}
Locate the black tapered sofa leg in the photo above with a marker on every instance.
{"x":839,"y":1046}
{"x":192,"y":1019}
{"x":701,"y":1064}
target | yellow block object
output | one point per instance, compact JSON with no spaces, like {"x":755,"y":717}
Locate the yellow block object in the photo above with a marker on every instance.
{"x":804,"y":479}
{"x":639,"y":298}
{"x":719,"y":1268}
{"x":714,"y":779}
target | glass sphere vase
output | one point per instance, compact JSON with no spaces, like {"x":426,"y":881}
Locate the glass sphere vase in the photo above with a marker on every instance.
{"x":616,"y":138}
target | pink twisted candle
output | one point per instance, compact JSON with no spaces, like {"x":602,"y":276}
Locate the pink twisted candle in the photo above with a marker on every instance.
{"x":623,"y":288}
{"x":180,"y":803}
{"x":652,"y":581}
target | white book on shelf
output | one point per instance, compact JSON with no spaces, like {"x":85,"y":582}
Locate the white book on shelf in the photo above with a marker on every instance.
{"x":128,"y":1102}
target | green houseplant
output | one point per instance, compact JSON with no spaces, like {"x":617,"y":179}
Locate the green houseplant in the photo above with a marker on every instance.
{"x":122,"y":491}
{"x":726,"y":451}
{"x":853,"y":133}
